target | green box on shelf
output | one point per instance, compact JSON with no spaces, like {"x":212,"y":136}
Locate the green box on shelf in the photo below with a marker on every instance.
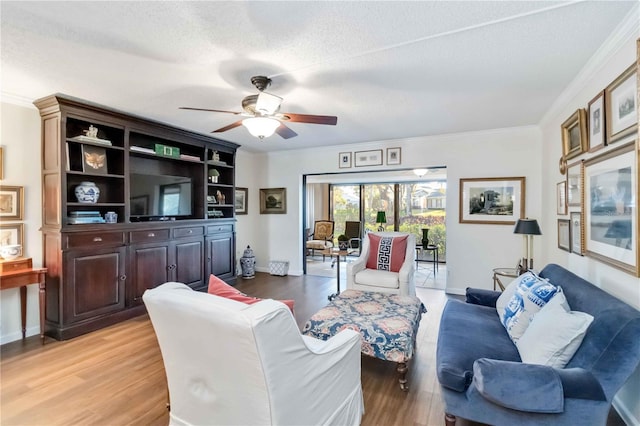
{"x":167,"y":151}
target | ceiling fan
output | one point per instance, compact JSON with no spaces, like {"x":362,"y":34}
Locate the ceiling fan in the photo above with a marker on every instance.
{"x":263,"y":114}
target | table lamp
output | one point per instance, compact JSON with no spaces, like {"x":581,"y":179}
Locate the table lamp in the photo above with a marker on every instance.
{"x":528,"y":228}
{"x":381,"y":218}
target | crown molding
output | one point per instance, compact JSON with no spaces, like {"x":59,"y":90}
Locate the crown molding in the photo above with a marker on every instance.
{"x":18,"y":100}
{"x":629,"y":29}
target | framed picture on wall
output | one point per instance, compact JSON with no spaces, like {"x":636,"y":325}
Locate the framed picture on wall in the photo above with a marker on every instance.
{"x":575,"y":178}
{"x":11,"y":202}
{"x":597,"y":122}
{"x":368,"y":158}
{"x":611,"y":208}
{"x":273,"y":200}
{"x":621,"y":105}
{"x":344,"y":160}
{"x":577,"y":233}
{"x":12,"y":233}
{"x":241,"y":200}
{"x":564,"y":234}
{"x":561,"y":197}
{"x":574,"y":134}
{"x":393,"y":156}
{"x":497,"y":201}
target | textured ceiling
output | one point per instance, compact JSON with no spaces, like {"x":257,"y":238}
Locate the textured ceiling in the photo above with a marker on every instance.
{"x":387,"y":70}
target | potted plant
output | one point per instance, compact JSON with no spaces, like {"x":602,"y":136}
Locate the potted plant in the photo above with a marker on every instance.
{"x":343,"y":242}
{"x":213,"y":175}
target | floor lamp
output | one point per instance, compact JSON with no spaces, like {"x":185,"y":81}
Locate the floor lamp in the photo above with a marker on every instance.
{"x":528,"y":228}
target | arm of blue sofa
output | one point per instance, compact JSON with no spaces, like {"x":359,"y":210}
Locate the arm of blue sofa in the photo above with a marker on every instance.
{"x":533,"y":388}
{"x":479,"y":296}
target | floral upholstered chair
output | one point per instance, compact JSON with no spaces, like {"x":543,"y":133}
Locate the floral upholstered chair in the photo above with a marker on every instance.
{"x":322,"y":236}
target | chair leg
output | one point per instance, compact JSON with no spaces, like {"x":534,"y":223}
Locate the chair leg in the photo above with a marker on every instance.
{"x":449,"y":419}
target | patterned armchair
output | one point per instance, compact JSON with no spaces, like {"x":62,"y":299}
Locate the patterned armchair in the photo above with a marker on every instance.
{"x":322,"y":236}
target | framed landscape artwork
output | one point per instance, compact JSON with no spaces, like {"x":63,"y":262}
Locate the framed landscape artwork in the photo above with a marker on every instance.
{"x":241,"y":200}
{"x":574,"y":135}
{"x":368,"y":158}
{"x":497,"y":201}
{"x":12,"y":233}
{"x":273,"y":200}
{"x":621,"y":105}
{"x":611,"y":208}
{"x":11,"y":202}
{"x":596,"y":123}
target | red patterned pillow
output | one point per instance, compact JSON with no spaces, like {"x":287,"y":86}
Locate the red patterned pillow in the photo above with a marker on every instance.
{"x":386,"y":253}
{"x":222,"y":289}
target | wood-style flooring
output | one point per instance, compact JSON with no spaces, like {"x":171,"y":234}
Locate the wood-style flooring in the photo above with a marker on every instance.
{"x":115,"y":376}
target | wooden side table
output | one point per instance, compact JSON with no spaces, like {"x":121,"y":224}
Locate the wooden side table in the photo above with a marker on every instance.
{"x":503,"y":272}
{"x":20,"y":273}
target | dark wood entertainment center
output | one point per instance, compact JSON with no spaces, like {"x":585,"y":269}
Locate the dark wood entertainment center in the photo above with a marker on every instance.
{"x":97,"y":272}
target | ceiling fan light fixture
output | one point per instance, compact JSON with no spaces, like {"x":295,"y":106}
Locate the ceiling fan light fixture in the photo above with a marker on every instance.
{"x":267,"y":103}
{"x":261,"y":127}
{"x":420,"y":172}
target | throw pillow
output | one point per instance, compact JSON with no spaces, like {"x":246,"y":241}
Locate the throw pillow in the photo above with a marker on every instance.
{"x":386,"y":253}
{"x":530,"y":295}
{"x":554,"y":335}
{"x":222,"y":289}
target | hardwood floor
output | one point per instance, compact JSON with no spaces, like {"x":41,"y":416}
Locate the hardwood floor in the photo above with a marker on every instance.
{"x":115,"y":376}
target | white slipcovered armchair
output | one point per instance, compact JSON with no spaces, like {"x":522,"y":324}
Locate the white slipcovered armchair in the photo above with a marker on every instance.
{"x":359,"y":277}
{"x":228,"y":363}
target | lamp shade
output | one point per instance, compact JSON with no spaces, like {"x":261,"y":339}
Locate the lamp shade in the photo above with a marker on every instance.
{"x":381,"y":217}
{"x":527,"y":227}
{"x":261,"y":127}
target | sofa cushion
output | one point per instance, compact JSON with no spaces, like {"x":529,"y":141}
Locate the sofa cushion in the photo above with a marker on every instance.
{"x":530,"y":295}
{"x":375,"y":278}
{"x":468,"y":332}
{"x":386,"y":253}
{"x":222,"y":289}
{"x":554,"y":335}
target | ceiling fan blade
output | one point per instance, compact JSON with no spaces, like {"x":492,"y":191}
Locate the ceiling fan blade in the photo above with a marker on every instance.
{"x":306,"y":118}
{"x":229,"y":127}
{"x":211,"y":110}
{"x":285,"y":132}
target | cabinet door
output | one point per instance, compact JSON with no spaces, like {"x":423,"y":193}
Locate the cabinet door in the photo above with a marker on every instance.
{"x":94,"y":283}
{"x":150,"y":267}
{"x":220,"y":259}
{"x":187,"y":266}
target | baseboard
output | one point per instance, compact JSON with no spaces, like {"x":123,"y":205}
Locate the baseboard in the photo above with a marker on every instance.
{"x":17,"y":335}
{"x":456,"y":291}
{"x":624,"y":413}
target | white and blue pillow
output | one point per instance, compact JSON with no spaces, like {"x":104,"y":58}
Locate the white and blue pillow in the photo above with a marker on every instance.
{"x":521,"y":300}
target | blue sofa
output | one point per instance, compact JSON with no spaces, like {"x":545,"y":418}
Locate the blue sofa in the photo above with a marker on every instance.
{"x":483,"y":378}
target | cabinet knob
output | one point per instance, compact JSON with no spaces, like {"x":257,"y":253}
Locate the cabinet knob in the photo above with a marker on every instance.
{"x":190,"y":231}
{"x":97,"y":239}
{"x":123,"y":277}
{"x":151,"y":234}
{"x":220,"y":228}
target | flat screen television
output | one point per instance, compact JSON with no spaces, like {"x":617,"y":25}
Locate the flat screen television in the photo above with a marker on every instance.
{"x":156,"y":196}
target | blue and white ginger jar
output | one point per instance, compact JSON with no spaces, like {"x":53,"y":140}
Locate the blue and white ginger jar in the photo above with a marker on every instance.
{"x":87,"y":192}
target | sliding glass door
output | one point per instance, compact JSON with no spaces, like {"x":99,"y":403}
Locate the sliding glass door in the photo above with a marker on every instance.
{"x":345,"y":206}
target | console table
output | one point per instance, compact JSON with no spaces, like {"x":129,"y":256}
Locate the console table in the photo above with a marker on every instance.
{"x":20,"y":273}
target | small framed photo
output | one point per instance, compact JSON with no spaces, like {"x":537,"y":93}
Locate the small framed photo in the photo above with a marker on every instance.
{"x":344,"y":160}
{"x":561,"y":197}
{"x":393,"y":156}
{"x":94,"y":160}
{"x":621,"y":105}
{"x":273,"y":200}
{"x":574,"y":135}
{"x":368,"y":158}
{"x":496,"y":201}
{"x":11,"y":202}
{"x":12,"y":233}
{"x":564,"y":234}
{"x":241,"y":200}
{"x":575,"y":183}
{"x":596,"y":122}
{"x":577,"y":233}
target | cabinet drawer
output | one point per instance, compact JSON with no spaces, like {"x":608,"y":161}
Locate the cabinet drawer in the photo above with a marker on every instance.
{"x":217,"y":229}
{"x":15,"y":264}
{"x":193,"y":231}
{"x":95,"y":239}
{"x":149,"y":235}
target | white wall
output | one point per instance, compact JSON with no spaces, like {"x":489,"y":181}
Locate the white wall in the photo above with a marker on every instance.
{"x":472,"y":250}
{"x":615,"y":56}
{"x":20,"y":133}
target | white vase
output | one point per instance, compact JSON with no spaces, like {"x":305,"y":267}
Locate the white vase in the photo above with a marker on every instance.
{"x":87,"y":192}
